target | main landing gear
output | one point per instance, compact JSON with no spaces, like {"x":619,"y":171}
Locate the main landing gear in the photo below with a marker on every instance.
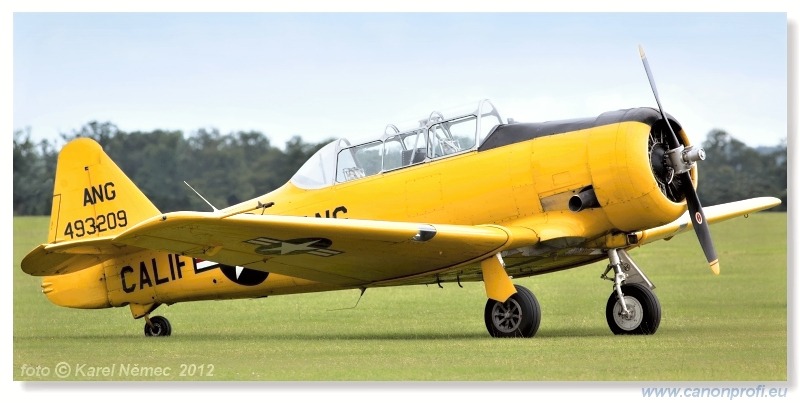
{"x":632,"y":307}
{"x":519,"y":316}
{"x":157,"y":326}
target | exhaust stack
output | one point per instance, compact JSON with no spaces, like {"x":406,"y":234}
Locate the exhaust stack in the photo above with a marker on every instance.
{"x":583,"y":200}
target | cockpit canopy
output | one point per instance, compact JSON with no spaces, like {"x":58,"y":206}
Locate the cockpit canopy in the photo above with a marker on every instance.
{"x":437,"y":136}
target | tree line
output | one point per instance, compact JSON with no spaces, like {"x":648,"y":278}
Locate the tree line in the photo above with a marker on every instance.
{"x":733,"y":171}
{"x":225,"y":168}
{"x":229,"y":168}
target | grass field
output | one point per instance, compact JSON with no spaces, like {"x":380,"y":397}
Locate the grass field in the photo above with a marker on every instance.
{"x":731,"y":327}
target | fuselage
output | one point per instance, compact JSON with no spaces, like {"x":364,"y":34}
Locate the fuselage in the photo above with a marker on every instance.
{"x":519,"y":175}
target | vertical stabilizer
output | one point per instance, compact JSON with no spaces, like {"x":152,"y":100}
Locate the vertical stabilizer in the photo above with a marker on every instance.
{"x":92,"y":197}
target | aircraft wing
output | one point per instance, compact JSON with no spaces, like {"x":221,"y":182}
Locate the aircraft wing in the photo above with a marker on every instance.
{"x":337,"y":251}
{"x":714,"y":214}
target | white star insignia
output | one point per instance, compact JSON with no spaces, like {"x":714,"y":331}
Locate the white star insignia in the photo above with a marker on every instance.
{"x":287,"y":248}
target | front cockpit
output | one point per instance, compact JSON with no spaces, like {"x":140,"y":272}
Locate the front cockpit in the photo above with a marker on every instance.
{"x":439,"y":135}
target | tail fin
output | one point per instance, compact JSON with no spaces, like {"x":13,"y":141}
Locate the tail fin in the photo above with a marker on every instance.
{"x":92,"y":197}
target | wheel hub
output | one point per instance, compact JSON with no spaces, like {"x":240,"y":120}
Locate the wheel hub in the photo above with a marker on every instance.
{"x":508,"y":316}
{"x":628,"y":320}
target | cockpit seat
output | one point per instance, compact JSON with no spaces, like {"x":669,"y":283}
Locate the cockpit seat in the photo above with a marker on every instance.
{"x":419,"y":156}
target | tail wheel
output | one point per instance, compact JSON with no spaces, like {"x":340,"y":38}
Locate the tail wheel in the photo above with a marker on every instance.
{"x":644,"y":311}
{"x":158,"y":326}
{"x":519,"y":316}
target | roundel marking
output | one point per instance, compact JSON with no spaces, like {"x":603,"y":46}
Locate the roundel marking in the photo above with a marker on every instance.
{"x":298,"y":246}
{"x":238,"y":274}
{"x":242,"y":275}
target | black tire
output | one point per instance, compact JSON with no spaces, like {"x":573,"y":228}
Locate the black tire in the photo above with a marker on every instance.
{"x":644,"y":305}
{"x":519,"y":316}
{"x":160,"y":327}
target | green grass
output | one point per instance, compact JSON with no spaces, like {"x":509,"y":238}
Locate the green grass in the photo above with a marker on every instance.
{"x":728,"y":327}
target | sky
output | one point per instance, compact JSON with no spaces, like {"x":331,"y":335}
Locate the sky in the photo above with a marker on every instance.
{"x":321,"y":75}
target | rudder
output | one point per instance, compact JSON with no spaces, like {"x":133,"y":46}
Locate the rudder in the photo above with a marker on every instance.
{"x":92,"y":197}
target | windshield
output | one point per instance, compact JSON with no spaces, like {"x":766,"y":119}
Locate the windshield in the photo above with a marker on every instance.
{"x":437,"y":136}
{"x":317,"y":172}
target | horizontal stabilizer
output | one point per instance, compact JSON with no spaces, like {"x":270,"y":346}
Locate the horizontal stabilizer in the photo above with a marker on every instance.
{"x":68,"y":257}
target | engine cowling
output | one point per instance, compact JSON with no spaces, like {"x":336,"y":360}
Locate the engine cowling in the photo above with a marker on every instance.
{"x":628,"y":176}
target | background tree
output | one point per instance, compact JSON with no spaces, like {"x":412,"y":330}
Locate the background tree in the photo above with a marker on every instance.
{"x":34,"y":166}
{"x":733,"y":171}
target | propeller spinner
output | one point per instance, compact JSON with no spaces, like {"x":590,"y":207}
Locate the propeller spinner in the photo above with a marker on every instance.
{"x":679,"y":160}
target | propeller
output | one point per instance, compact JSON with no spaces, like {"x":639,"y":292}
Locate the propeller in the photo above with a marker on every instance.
{"x":680,"y":160}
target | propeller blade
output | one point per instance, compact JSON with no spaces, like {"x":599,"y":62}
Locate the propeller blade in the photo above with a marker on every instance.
{"x":673,"y":140}
{"x":692,"y":200}
{"x":699,"y":222}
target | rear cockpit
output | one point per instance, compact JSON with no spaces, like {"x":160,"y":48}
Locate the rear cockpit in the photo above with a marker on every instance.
{"x":439,"y":135}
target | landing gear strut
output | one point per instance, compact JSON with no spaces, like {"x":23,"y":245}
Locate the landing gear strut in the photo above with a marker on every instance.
{"x":632,"y":307}
{"x":644,"y":311}
{"x":157,"y":326}
{"x":519,"y":316}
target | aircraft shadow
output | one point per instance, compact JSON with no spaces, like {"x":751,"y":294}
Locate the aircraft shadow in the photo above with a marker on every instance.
{"x":356,"y":336}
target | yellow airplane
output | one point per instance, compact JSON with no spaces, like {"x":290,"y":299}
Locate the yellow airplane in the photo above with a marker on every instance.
{"x":456,"y":197}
